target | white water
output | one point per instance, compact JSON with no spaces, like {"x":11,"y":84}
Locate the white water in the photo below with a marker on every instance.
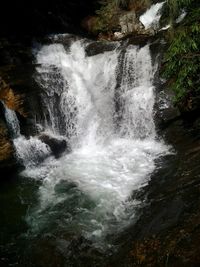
{"x":152,"y":16}
{"x":30,"y":151}
{"x":103,"y":105}
{"x":181,"y":17}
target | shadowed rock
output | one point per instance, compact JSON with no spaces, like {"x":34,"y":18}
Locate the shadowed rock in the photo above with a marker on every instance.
{"x":57,"y":146}
{"x":95,"y":48}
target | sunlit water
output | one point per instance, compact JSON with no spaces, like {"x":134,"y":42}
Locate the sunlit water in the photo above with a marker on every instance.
{"x":152,"y":16}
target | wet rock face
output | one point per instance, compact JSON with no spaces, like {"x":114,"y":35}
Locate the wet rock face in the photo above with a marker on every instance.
{"x":18,"y":93}
{"x":18,"y":89}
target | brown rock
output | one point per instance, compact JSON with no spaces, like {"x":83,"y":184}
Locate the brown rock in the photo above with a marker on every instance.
{"x":11,"y":100}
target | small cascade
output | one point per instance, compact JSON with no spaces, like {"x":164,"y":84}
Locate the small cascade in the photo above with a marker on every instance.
{"x":136,"y":94}
{"x":12,"y":121}
{"x":152,"y":16}
{"x":29,"y":151}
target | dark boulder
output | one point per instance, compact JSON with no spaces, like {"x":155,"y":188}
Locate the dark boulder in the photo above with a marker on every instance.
{"x":57,"y":146}
{"x":95,"y":48}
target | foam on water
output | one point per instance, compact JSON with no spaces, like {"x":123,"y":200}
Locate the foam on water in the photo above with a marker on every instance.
{"x":101,"y":183}
{"x":31,"y":151}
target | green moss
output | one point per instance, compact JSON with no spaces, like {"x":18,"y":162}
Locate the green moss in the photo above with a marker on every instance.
{"x":182,"y":59}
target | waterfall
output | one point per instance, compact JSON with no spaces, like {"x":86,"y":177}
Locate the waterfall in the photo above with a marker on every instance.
{"x":81,"y":90}
{"x":103,"y":106}
{"x":30,"y":151}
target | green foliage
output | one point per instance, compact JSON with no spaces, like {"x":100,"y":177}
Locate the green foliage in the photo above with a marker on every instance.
{"x":182,"y":59}
{"x":106,"y":16}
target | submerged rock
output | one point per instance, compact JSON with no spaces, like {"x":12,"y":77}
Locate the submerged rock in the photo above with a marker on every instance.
{"x":57,"y":146}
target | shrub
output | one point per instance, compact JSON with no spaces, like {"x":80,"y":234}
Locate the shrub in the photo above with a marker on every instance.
{"x":182,"y":59}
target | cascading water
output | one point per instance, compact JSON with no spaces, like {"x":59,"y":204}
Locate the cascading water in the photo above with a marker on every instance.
{"x":103,"y":106}
{"x":29,"y":151}
{"x":136,"y":94}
